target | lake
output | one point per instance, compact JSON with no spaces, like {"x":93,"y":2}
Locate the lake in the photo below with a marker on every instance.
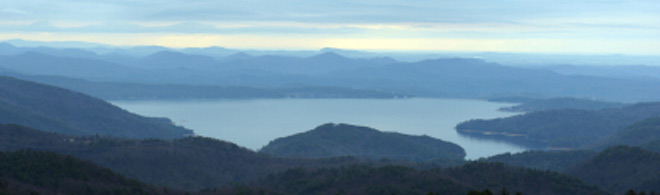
{"x":253,"y":123}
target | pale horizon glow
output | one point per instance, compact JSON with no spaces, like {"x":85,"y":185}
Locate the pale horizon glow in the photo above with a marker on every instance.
{"x":279,"y":42}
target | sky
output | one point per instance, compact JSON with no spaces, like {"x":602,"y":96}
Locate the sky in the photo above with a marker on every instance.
{"x":536,"y":26}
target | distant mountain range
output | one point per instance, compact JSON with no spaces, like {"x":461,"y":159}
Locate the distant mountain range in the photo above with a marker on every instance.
{"x":137,"y":91}
{"x":516,"y":59}
{"x":446,"y":77}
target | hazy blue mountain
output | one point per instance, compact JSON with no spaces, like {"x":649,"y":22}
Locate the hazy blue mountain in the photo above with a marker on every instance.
{"x":138,"y":51}
{"x":450,"y":77}
{"x":446,"y":77}
{"x":628,"y":72}
{"x":237,"y":56}
{"x":561,"y":103}
{"x":463,"y":78}
{"x":42,"y":64}
{"x":214,"y":52}
{"x":59,"y":110}
{"x":318,"y":64}
{"x":567,"y":128}
{"x":137,"y":91}
{"x":33,"y":63}
{"x":175,"y":60}
{"x":352,"y":53}
{"x":334,"y":140}
{"x":536,"y":60}
{"x":8,"y":49}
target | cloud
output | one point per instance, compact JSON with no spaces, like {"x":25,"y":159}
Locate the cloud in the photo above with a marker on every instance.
{"x":331,"y":11}
{"x":606,"y":20}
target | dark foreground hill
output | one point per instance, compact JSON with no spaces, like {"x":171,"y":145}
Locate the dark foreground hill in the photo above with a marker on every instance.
{"x":638,"y":134}
{"x":616,"y":169}
{"x":333,"y":140}
{"x":568,"y":128}
{"x":37,"y":172}
{"x":543,"y":160}
{"x":403,"y":180}
{"x":190,"y":163}
{"x":59,"y":110}
{"x":620,"y":168}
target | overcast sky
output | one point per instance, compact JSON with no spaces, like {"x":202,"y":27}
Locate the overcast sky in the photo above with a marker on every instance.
{"x":555,"y":26}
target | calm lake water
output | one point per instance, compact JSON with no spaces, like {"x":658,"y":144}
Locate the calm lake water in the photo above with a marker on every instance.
{"x":253,"y":123}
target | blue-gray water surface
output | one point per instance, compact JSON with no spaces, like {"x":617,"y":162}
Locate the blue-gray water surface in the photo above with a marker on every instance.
{"x":253,"y":123}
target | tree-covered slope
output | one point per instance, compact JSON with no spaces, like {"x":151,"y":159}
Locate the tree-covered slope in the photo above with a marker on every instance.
{"x":190,"y":163}
{"x":403,"y":180}
{"x":37,"y":172}
{"x":653,"y":145}
{"x":637,"y":134}
{"x":620,"y":168}
{"x":543,"y":160}
{"x":332,"y":140}
{"x":59,"y":110}
{"x":568,"y":128}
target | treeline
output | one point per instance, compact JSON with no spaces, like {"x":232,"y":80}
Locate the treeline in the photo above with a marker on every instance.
{"x":467,"y":179}
{"x":533,"y":105}
{"x":189,"y":163}
{"x":615,"y":169}
{"x":38,"y":172}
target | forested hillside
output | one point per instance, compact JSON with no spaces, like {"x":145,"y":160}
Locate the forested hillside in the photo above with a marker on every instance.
{"x":37,"y":172}
{"x":63,"y":111}
{"x":189,"y":163}
{"x":569,"y":128}
{"x":543,"y":160}
{"x":620,"y":168}
{"x":404,"y":180}
{"x":637,"y":134}
{"x":334,"y":140}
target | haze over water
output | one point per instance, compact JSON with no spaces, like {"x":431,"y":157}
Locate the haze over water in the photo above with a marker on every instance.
{"x":253,"y":123}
